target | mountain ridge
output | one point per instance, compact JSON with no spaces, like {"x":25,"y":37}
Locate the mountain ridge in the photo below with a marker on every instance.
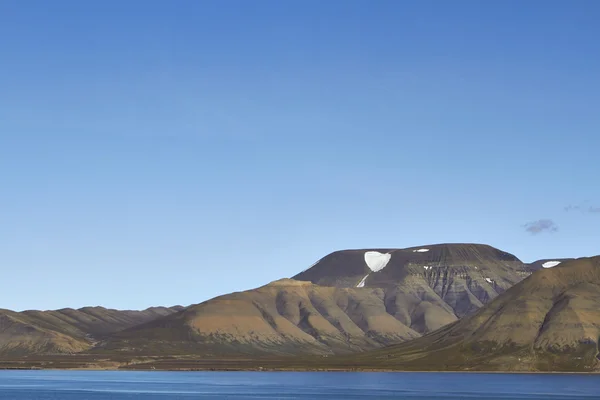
{"x":349,"y":301}
{"x":66,"y":330}
{"x":346,"y":302}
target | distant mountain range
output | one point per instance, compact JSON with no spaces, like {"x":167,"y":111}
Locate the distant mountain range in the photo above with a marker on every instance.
{"x":67,"y":330}
{"x":449,"y":306}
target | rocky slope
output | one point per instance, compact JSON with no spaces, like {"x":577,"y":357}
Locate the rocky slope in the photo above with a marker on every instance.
{"x":284,"y":317}
{"x":548,"y":322}
{"x":66,"y":330}
{"x":349,"y":301}
{"x":462,"y":276}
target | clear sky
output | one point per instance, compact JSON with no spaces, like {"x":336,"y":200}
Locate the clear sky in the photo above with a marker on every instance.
{"x":164,"y":152}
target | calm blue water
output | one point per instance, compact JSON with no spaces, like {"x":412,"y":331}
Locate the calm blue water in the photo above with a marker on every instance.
{"x":100,"y":385}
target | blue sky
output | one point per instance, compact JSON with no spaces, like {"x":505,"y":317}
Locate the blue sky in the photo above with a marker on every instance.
{"x":159,"y":153}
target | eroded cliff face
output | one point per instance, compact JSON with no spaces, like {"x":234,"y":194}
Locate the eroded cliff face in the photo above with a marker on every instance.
{"x":548,"y":322}
{"x":463,"y":276}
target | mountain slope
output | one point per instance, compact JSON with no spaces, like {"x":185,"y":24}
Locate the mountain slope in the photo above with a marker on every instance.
{"x":20,"y":336}
{"x":351,"y":301}
{"x":284,"y":317}
{"x":66,"y":330}
{"x":550,"y":321}
{"x":463,"y":276}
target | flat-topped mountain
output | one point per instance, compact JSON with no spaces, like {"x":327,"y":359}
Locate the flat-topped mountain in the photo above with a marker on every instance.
{"x":464,"y":276}
{"x":349,"y":301}
{"x":549,"y":322}
{"x":348,"y":268}
{"x":66,"y":330}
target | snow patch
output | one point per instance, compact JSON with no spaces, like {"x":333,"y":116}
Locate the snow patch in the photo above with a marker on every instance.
{"x":427,"y":267}
{"x":489,"y":280}
{"x":377,"y":261}
{"x":550,"y":264}
{"x":362,"y":283}
{"x":421,"y":251}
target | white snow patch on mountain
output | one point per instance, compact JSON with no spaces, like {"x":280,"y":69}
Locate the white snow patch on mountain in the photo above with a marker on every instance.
{"x":377,"y":261}
{"x":421,"y":251}
{"x":489,"y":280}
{"x":550,"y":264}
{"x":362,"y":283}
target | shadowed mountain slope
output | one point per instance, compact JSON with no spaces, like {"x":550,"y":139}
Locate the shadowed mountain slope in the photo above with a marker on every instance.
{"x":548,"y":322}
{"x":463,"y":276}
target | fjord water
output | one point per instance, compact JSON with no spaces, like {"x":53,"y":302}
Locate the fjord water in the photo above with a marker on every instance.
{"x":105,"y":385}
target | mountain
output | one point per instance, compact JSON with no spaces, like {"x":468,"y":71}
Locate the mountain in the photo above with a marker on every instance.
{"x":548,"y":322}
{"x":66,"y":330}
{"x":284,"y":317}
{"x":349,"y":301}
{"x":462,"y":276}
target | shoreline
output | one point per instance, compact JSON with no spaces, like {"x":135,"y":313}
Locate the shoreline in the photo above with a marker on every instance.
{"x":296,"y":370}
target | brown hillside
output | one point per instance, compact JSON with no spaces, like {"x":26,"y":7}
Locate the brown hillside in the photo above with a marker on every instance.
{"x":66,"y":330}
{"x":550,"y":321}
{"x":284,"y":317}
